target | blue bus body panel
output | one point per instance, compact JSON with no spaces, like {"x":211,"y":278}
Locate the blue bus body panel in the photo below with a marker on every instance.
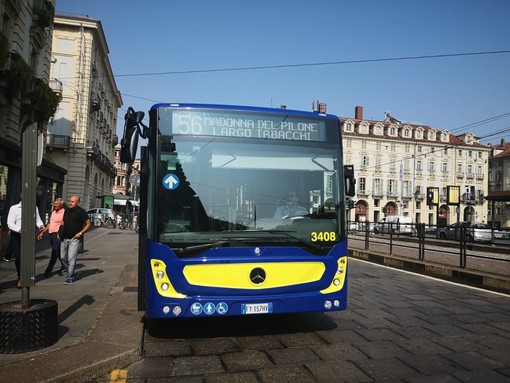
{"x":203,"y":300}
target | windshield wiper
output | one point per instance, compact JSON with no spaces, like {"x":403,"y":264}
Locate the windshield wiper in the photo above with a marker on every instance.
{"x":249,"y":239}
{"x":287,"y":234}
{"x":189,"y":249}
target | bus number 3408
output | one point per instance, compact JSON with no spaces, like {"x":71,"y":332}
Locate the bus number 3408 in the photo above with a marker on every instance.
{"x":323,"y":236}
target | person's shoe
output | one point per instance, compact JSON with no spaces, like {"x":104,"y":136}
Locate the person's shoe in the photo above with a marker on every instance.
{"x":18,"y":284}
{"x":68,"y":281}
{"x":7,"y":259}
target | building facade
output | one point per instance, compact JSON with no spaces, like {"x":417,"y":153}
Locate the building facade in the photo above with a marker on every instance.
{"x":121,"y":183}
{"x":28,"y":95}
{"x":82,"y":135}
{"x":395,"y":163}
{"x":499,"y":185}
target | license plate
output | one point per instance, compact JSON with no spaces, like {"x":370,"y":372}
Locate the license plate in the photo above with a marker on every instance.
{"x":257,"y":308}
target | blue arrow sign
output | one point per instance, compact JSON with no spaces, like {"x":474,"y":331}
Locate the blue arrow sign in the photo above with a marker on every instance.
{"x":171,"y":181}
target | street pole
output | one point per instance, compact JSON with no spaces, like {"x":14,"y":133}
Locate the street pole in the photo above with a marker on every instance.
{"x":28,"y":211}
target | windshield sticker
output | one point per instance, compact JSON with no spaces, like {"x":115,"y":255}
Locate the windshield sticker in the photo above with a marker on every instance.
{"x":221,"y":308}
{"x":196,"y":308}
{"x":209,"y":308}
{"x":171,"y":181}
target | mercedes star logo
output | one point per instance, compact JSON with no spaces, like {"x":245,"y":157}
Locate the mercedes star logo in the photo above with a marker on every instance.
{"x":258,"y":276}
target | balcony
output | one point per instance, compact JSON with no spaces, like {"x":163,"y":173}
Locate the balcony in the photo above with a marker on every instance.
{"x":470,"y":176}
{"x":92,"y":150}
{"x":407,"y":195}
{"x":56,"y":141}
{"x":56,"y":86}
{"x":460,"y":174}
{"x":479,"y":176}
{"x":378,"y":193}
{"x":363,"y":192}
{"x":43,"y":13}
{"x":419,"y":196}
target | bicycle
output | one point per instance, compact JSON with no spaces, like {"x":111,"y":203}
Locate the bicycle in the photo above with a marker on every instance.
{"x":123,"y":223}
{"x":110,"y":223}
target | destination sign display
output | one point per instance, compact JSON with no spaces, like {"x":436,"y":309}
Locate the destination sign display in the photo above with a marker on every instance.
{"x":247,"y":125}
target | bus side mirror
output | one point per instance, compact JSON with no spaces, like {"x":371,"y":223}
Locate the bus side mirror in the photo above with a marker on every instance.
{"x":129,"y":142}
{"x":349,"y":181}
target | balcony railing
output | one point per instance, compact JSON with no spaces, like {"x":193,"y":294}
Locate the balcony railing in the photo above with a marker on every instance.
{"x":56,"y":86}
{"x":58,"y":141}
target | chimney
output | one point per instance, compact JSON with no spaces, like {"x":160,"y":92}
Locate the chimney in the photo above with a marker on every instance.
{"x":358,"y":113}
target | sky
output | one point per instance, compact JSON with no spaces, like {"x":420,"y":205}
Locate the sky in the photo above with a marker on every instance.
{"x":345,"y":53}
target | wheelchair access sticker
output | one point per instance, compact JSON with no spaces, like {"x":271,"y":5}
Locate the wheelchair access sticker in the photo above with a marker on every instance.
{"x":171,"y":181}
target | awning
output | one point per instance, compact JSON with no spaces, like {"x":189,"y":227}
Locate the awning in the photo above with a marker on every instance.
{"x":122,"y":202}
{"x":500,"y":195}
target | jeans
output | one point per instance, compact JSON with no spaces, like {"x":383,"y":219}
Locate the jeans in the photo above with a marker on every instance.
{"x":55,"y":252}
{"x":69,"y":252}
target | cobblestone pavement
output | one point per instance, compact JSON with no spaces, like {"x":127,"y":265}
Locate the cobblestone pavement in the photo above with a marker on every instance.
{"x":399,"y":327}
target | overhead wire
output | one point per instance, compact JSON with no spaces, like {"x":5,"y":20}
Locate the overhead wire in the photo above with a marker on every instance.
{"x":298,"y":65}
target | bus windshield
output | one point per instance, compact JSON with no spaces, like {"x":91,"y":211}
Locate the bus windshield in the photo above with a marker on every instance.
{"x":226,"y":190}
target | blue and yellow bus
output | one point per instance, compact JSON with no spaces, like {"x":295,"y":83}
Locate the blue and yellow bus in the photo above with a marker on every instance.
{"x":242,"y":210}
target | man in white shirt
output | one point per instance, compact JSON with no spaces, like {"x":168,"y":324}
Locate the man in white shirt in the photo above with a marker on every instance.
{"x":14,"y":225}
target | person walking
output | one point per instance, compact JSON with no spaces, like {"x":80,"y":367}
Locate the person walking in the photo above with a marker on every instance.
{"x":14,"y":225}
{"x":1,"y":236}
{"x":75,"y":223}
{"x":8,"y":251}
{"x":56,"y":219}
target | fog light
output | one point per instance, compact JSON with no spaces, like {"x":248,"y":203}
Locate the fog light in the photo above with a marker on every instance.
{"x":160,"y":274}
{"x":177,"y":310}
{"x":340,"y":270}
{"x":336,"y":282}
{"x":336,"y":303}
{"x":165,"y":286}
{"x":166,"y":309}
{"x":327,"y":305}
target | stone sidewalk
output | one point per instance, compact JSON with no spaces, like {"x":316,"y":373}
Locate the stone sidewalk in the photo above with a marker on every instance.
{"x":99,"y":326}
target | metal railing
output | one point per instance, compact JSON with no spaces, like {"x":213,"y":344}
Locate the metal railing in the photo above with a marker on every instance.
{"x":426,"y":242}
